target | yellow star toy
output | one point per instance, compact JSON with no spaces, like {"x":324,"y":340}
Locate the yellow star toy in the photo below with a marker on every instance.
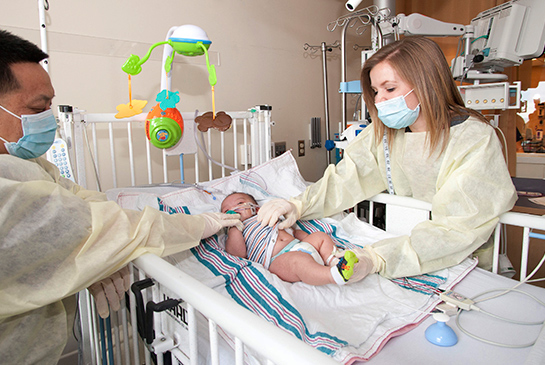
{"x":128,"y":110}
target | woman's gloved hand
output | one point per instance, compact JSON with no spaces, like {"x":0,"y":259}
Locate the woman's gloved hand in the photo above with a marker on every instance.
{"x":109,"y":292}
{"x":271,"y":211}
{"x":213,"y":222}
{"x":369,"y":262}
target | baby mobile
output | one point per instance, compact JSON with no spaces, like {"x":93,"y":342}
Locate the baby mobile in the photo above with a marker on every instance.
{"x":164,"y":123}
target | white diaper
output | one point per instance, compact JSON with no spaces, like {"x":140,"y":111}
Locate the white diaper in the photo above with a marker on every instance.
{"x":305,"y":247}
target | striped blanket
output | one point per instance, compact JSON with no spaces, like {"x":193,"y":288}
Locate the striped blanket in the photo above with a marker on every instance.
{"x":349,"y":322}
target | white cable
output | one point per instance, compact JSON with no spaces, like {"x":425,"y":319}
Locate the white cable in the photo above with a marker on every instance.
{"x":503,"y":292}
{"x":489,"y":341}
{"x":507,"y":319}
{"x":500,"y":318}
{"x":519,"y":284}
{"x":95,"y":167}
{"x":458,"y":49}
{"x":504,"y":144}
{"x":465,"y":73}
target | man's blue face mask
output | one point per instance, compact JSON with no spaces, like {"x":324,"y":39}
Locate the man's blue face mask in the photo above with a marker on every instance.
{"x":38,"y":134}
{"x":395,"y":113}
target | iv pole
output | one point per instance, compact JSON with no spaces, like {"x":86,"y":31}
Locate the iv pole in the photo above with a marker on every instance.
{"x":365,"y":17}
{"x":325,"y":48}
{"x":43,"y":5}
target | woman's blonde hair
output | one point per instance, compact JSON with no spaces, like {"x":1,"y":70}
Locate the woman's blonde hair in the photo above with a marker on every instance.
{"x":420,"y":63}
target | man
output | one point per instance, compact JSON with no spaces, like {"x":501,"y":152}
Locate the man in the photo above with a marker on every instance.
{"x":57,"y":238}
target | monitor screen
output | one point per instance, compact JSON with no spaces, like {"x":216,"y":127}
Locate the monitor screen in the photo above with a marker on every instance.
{"x":508,"y":34}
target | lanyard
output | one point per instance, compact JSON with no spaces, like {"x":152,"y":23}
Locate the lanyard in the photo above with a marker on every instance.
{"x":388,"y":163}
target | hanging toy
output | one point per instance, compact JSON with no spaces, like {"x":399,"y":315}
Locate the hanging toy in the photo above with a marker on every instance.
{"x":164,"y":125}
{"x":221,"y":121}
{"x":134,"y":107}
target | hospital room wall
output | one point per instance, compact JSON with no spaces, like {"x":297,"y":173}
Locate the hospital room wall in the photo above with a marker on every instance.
{"x":259,"y":45}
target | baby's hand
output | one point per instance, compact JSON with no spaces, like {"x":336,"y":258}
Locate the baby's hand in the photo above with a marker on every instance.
{"x":238,"y":225}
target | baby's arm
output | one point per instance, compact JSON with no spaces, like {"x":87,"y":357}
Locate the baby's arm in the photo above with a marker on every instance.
{"x":299,"y":234}
{"x":235,"y":244}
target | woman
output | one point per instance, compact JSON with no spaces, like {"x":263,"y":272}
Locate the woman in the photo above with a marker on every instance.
{"x":438,"y":151}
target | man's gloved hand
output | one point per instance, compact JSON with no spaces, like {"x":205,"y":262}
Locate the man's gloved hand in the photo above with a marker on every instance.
{"x":270,"y":212}
{"x":213,"y":222}
{"x":368,"y":262}
{"x":110,"y":291}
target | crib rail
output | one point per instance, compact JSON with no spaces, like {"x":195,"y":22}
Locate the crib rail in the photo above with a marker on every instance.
{"x":528,"y":222}
{"x":116,"y":340}
{"x":94,"y":140}
{"x":250,"y":330}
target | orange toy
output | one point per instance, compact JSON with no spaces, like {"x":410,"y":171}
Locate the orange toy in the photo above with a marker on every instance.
{"x":164,"y":128}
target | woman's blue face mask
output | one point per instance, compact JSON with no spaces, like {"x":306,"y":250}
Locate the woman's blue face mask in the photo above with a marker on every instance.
{"x":38,"y":134}
{"x":395,"y":113}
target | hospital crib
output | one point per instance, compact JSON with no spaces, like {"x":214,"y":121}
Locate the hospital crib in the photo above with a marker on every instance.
{"x":95,"y":136}
{"x":141,"y":334}
{"x":116,"y":339}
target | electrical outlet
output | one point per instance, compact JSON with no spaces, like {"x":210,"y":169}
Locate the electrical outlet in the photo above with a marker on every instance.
{"x":301,"y":147}
{"x":279,"y":148}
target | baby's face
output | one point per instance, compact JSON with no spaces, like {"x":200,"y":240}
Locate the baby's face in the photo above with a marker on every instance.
{"x":238,"y":203}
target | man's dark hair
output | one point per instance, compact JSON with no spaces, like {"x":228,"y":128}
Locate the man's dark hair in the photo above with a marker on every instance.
{"x":14,"y":49}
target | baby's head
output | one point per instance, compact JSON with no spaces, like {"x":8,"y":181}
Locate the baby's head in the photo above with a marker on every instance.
{"x":242,"y":203}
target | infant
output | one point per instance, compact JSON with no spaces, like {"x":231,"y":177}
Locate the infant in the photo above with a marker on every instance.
{"x":292,"y":255}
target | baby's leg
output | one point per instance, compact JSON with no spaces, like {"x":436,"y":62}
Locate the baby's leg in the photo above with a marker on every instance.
{"x":322,"y":243}
{"x":300,"y":266}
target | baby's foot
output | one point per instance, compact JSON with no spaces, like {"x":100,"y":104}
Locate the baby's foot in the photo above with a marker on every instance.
{"x":346,"y":265}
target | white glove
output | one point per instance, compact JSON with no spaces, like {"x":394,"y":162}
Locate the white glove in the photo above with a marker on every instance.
{"x":368,"y":263}
{"x":213,"y":222}
{"x":111,"y":291}
{"x":270,"y":212}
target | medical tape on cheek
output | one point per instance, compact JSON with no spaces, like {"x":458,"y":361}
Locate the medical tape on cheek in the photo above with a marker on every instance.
{"x":253,"y":208}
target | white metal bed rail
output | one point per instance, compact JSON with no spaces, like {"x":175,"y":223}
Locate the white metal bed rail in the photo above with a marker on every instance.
{"x":252,"y":128}
{"x":249,"y":330}
{"x":526,"y":221}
